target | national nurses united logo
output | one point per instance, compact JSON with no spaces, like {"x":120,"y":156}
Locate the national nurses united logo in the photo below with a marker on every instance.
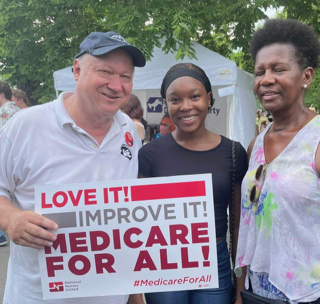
{"x":56,"y":286}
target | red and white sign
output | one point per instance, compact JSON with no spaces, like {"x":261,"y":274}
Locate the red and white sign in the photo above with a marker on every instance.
{"x":129,"y":236}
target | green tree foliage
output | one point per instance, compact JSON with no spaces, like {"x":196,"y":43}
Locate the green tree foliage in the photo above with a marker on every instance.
{"x":307,"y":11}
{"x":313,"y":92}
{"x":243,"y":60}
{"x":38,"y":37}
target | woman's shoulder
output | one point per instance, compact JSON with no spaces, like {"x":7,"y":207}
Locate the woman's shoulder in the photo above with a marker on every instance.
{"x":158,"y":144}
{"x":138,"y":122}
{"x":250,"y":147}
{"x":227,"y":143}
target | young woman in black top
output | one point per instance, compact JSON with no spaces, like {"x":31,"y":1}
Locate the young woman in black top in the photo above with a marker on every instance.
{"x":193,"y":149}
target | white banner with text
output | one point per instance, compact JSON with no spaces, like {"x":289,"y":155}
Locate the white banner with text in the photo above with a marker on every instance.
{"x":129,"y":236}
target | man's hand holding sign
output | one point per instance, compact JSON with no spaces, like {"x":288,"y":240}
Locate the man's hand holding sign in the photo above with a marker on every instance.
{"x":28,"y":228}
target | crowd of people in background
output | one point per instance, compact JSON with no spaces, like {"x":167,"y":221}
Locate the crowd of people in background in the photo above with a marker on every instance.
{"x":263,"y":118}
{"x":135,"y":111}
{"x":11,"y":102}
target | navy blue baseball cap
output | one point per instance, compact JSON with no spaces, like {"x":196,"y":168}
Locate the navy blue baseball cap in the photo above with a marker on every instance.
{"x":98,"y":44}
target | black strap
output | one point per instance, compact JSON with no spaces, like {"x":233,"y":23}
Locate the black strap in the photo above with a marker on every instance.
{"x":231,"y":217}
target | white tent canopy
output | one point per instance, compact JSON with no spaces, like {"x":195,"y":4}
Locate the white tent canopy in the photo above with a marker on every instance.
{"x":233,"y":113}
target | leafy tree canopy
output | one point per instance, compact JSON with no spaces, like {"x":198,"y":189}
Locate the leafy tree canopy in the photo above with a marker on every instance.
{"x":38,"y":37}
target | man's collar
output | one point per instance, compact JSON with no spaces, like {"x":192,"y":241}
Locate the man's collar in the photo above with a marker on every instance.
{"x":119,"y":118}
{"x":60,"y":110}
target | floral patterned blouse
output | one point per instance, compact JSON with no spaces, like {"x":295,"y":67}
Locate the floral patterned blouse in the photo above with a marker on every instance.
{"x":7,"y":111}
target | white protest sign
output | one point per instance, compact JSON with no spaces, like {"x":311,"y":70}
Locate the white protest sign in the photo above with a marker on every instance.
{"x":130,"y":236}
{"x":226,"y":91}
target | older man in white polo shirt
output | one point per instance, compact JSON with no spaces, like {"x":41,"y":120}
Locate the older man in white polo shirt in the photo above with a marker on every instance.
{"x":80,"y":137}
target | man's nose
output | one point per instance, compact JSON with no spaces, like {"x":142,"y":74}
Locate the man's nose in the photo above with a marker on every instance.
{"x":114,"y":83}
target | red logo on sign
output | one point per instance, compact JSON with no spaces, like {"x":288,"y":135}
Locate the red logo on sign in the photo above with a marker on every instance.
{"x":56,"y":286}
{"x":129,"y":139}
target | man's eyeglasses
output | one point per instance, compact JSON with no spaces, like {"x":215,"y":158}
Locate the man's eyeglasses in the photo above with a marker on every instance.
{"x":258,"y":184}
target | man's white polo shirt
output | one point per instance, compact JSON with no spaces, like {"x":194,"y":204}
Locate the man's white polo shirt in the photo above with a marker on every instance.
{"x":43,"y":146}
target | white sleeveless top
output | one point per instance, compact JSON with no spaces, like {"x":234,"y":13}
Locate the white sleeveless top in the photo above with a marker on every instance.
{"x":141,"y":125}
{"x":281,"y":235}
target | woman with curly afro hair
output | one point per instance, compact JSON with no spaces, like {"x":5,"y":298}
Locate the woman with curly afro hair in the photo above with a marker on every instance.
{"x":279,"y":238}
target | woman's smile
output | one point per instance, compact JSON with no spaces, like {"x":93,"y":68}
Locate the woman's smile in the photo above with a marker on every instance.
{"x":188,"y":118}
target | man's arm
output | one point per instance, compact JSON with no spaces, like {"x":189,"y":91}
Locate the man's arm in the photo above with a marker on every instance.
{"x":26,"y":228}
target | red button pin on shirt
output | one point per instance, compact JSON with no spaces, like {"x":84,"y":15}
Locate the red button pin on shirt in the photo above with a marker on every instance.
{"x":129,"y":139}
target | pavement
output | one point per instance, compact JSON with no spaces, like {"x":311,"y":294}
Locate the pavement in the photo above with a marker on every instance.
{"x":4,"y":256}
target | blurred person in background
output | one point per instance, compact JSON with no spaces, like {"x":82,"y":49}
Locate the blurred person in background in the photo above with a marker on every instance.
{"x":7,"y":107}
{"x":7,"y":110}
{"x":263,"y":126}
{"x":135,"y":111}
{"x":166,"y":126}
{"x":20,"y":98}
{"x":312,"y":108}
{"x":260,"y":117}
